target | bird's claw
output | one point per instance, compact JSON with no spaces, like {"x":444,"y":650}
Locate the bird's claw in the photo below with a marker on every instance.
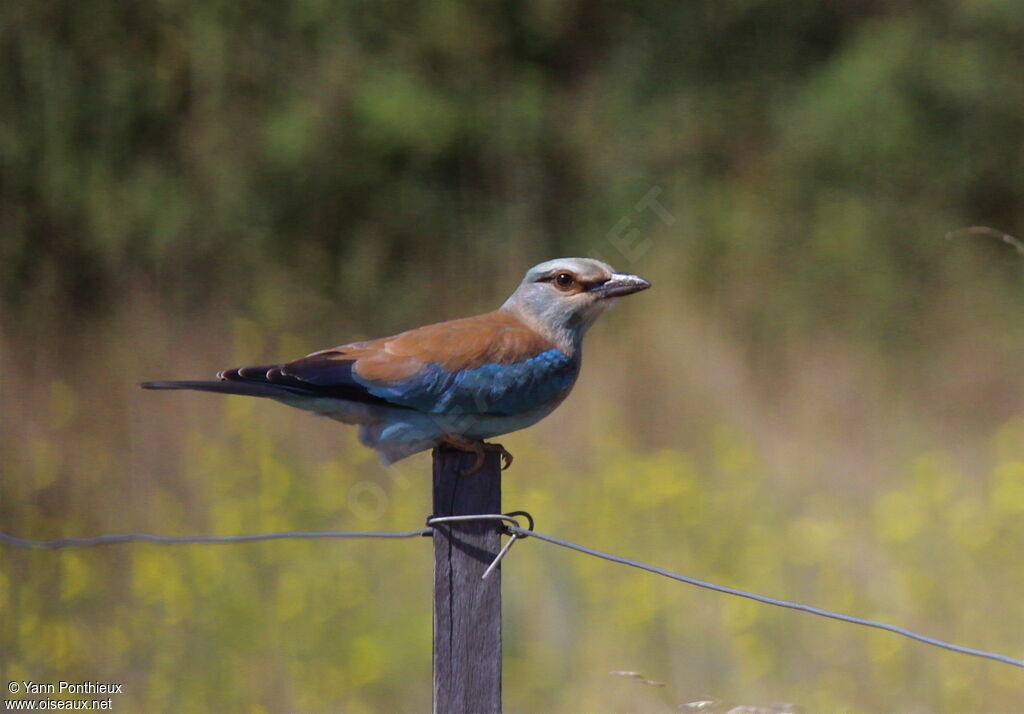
{"x":505,"y":454}
{"x":479,"y":450}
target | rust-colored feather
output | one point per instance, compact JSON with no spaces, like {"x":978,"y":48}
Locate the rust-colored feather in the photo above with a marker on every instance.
{"x":495,"y":337}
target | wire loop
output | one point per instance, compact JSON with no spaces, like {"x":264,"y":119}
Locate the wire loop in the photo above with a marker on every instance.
{"x":514,"y":531}
{"x":525,"y":515}
{"x":505,"y":518}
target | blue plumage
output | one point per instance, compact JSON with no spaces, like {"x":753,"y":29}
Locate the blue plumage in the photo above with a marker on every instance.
{"x":491,"y":389}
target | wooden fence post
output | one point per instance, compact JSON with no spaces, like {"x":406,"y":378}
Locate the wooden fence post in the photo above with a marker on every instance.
{"x":467,"y":610}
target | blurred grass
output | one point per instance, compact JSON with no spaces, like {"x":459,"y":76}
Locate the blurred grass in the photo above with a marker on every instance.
{"x":857,"y":507}
{"x":820,"y":400}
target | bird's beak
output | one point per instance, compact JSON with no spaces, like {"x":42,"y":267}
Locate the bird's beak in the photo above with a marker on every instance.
{"x":621,"y":284}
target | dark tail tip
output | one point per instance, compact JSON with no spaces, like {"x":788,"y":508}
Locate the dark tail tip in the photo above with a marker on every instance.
{"x":190,"y":384}
{"x":219,"y":386}
{"x":178,"y":385}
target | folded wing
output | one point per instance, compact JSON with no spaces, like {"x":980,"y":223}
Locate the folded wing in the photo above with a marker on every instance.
{"x":489,"y":364}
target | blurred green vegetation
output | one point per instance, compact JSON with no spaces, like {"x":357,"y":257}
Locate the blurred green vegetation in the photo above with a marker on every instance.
{"x":818,"y":150}
{"x":820,"y":400}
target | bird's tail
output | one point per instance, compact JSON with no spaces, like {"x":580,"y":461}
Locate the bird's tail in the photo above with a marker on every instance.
{"x":248,"y":389}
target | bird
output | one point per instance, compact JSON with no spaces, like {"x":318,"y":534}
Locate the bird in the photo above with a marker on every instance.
{"x":454,"y":383}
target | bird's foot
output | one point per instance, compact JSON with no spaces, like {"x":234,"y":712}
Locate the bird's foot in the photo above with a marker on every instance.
{"x":479,"y":449}
{"x":505,"y":454}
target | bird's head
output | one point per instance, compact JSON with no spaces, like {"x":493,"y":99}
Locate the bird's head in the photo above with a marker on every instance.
{"x":561,"y":298}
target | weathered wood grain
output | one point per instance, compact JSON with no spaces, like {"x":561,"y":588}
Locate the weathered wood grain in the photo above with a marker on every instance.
{"x":467,"y":610}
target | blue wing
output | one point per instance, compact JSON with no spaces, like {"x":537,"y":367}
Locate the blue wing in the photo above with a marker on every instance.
{"x":494,"y":388}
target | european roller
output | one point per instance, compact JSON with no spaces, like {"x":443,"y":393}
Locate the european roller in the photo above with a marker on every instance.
{"x":454,"y":383}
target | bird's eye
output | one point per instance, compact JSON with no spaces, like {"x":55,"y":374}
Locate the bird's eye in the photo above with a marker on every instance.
{"x":564,"y":280}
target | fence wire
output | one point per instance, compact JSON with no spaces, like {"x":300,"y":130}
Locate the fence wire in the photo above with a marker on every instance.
{"x":115,"y":538}
{"x":518,"y":533}
{"x":771,"y":600}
